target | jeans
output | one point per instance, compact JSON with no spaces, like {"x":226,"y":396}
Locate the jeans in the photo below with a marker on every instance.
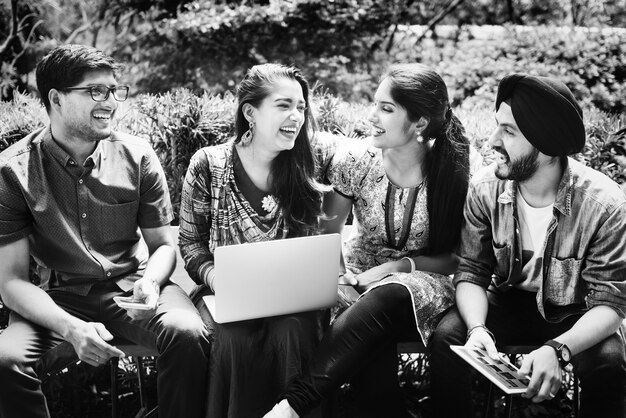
{"x":28,"y":352}
{"x":360,"y":346}
{"x":514,"y":319}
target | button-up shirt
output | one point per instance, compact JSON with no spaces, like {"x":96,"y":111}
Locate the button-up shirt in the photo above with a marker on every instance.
{"x":83,"y":218}
{"x":584,"y":254}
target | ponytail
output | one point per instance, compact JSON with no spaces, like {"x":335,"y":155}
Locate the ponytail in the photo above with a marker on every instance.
{"x":448,"y":179}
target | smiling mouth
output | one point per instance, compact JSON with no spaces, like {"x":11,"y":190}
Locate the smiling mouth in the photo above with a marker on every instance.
{"x":104,"y":116}
{"x":500,"y":158}
{"x":376,"y":131}
{"x":291,"y":130}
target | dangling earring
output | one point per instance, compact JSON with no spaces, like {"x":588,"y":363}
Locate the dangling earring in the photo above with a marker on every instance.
{"x":419,"y":137}
{"x":247,"y":136}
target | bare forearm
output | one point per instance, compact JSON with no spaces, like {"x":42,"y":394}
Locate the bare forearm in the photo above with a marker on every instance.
{"x":472,"y":303}
{"x":336,"y":210}
{"x":594,"y":326}
{"x":35,"y":305}
{"x":161,"y":264}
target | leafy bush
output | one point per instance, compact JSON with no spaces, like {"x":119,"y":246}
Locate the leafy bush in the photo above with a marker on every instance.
{"x":177,"y":124}
{"x":346,"y":44}
{"x":589,"y":61}
{"x":209,"y":46}
{"x":20,"y":117}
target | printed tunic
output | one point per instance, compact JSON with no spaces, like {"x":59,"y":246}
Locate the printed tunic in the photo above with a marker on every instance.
{"x":390,"y":222}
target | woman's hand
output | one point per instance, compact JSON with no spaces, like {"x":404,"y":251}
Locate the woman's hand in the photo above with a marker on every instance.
{"x":375,"y":274}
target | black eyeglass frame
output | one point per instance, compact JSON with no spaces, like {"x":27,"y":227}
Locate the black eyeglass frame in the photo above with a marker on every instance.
{"x":109,"y":90}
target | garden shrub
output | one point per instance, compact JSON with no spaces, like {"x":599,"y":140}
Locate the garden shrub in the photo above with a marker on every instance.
{"x":589,"y":61}
{"x":209,"y":46}
{"x":346,"y":44}
{"x":177,"y":124}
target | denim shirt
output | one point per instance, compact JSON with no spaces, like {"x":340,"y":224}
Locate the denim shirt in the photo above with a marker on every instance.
{"x":584,"y":254}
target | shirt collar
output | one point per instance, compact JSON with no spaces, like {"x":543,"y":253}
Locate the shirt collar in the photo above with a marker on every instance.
{"x":95,"y":159}
{"x":55,"y":149}
{"x":563,"y":201}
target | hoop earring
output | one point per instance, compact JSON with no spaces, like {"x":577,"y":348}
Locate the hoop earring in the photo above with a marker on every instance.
{"x":246,"y":138}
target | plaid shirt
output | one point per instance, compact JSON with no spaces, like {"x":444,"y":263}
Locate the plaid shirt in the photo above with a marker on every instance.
{"x":83,"y":220}
{"x":214,"y":212}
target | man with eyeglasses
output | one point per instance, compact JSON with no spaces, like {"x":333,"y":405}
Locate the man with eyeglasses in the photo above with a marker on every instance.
{"x":78,"y":197}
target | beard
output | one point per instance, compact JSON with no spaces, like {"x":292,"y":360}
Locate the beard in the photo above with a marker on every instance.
{"x":521,"y":169}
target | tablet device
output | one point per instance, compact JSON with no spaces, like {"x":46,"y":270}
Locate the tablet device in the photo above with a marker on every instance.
{"x":501,"y":372}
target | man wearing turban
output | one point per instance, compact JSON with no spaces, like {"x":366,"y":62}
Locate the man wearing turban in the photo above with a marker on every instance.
{"x":542,"y":259}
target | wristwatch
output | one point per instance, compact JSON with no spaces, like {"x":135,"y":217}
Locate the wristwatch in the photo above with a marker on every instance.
{"x":563,"y":352}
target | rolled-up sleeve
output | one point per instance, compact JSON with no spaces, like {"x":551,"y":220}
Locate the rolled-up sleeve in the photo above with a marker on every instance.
{"x":605,"y":263}
{"x":195,"y":219}
{"x":15,"y":217}
{"x":476,"y":257}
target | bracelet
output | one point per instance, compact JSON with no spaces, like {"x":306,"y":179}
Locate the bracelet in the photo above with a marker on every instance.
{"x":411,"y":262}
{"x":211,"y":279}
{"x":480,"y":326}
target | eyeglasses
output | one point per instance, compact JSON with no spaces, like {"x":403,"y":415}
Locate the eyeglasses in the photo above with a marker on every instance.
{"x":100,"y":93}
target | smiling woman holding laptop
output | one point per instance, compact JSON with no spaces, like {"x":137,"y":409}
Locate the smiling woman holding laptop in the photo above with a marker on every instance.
{"x":259,"y":187}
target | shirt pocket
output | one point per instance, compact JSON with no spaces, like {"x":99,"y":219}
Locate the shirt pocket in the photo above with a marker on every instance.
{"x":502,"y":268}
{"x":563,"y":280}
{"x":118,"y":223}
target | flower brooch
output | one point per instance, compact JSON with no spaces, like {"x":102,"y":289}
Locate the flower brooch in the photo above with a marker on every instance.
{"x":269,"y":203}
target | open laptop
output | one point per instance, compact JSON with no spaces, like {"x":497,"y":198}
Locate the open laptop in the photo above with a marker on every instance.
{"x":276,"y":277}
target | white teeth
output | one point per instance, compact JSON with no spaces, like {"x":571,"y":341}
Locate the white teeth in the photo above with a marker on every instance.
{"x":501,"y":158}
{"x":102,"y":116}
{"x":378,"y":131}
{"x":289,"y":129}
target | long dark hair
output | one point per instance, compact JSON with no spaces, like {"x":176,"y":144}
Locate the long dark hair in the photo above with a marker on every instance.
{"x":422,"y":92}
{"x":292,"y":175}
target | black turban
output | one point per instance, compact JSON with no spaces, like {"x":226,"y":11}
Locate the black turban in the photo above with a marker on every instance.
{"x":546,"y":112}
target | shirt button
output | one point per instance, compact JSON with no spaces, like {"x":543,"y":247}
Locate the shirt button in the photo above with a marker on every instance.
{"x":84,"y":215}
{"x":517,"y":260}
{"x":80,"y":181}
{"x":72,"y":162}
{"x":108,"y":274}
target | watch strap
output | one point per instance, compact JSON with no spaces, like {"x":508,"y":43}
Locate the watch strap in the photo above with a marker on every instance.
{"x":558,"y":348}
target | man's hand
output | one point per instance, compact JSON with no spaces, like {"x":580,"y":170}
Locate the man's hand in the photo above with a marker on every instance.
{"x":90,"y":342}
{"x":480,"y":338}
{"x":146,"y":290}
{"x":545,"y":374}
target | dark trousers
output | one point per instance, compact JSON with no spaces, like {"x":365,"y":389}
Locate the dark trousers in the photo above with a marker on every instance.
{"x":28,"y":351}
{"x":360,"y":346}
{"x":253,"y":361}
{"x":515,"y":320}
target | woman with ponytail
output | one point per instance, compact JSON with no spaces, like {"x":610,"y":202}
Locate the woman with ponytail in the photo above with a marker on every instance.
{"x":406,"y":186}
